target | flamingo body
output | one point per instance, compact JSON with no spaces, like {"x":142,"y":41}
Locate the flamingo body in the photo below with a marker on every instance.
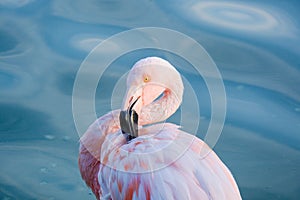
{"x":163,"y":162}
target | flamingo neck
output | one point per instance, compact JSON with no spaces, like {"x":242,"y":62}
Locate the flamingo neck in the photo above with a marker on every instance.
{"x":161,"y":109}
{"x":94,"y":137}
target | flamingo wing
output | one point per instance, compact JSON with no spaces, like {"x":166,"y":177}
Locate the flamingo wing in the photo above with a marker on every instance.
{"x":164,"y":165}
{"x":90,"y":148}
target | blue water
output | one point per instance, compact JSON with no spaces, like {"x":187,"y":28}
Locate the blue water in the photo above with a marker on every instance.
{"x":255,"y":44}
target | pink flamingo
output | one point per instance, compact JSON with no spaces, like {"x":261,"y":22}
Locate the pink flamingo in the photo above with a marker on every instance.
{"x":122,"y":156}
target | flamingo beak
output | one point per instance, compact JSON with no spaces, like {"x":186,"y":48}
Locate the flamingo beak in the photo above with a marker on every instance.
{"x":133,"y":100}
{"x":129,"y":122}
{"x":146,"y":94}
{"x":130,"y":108}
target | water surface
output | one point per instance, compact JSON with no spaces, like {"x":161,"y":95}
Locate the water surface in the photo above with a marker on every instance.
{"x":255,"y":45}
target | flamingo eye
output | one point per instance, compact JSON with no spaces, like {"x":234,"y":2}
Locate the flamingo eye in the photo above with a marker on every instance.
{"x":146,"y":79}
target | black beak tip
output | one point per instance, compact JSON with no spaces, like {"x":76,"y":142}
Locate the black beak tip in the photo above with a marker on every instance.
{"x":129,"y":122}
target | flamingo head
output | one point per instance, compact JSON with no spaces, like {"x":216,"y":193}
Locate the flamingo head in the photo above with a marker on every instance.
{"x":152,"y":83}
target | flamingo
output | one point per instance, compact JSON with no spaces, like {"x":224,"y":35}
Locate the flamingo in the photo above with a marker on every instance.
{"x":131,"y":154}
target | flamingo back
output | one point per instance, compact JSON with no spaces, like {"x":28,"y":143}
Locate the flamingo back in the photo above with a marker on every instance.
{"x":163,"y":165}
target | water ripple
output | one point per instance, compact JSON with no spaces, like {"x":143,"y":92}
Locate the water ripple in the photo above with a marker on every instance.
{"x":49,"y":171}
{"x":236,"y":17}
{"x":8,"y":42}
{"x":15,"y":3}
{"x":245,"y":63}
{"x":14,"y":82}
{"x":19,"y":123}
{"x":120,"y":13}
{"x":73,"y":41}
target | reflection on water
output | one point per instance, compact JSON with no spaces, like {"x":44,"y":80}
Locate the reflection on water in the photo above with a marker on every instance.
{"x":235,"y":16}
{"x":42,"y":44}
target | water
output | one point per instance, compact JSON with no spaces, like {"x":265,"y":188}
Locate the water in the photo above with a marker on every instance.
{"x":255,"y":45}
